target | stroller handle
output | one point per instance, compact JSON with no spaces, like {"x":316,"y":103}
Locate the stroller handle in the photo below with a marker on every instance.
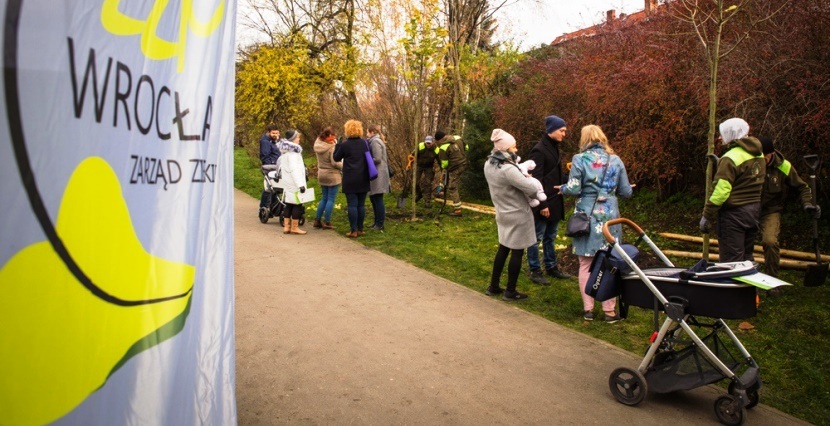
{"x":607,"y":232}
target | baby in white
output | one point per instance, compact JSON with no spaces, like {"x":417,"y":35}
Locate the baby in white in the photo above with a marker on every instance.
{"x":526,"y":167}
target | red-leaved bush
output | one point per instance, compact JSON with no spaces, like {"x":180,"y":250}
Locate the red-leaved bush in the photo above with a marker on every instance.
{"x":647,"y":86}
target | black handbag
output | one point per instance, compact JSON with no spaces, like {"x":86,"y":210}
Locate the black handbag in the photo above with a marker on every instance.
{"x":580,"y":223}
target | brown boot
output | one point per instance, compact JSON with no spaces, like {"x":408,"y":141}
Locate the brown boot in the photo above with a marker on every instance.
{"x":327,"y":225}
{"x":295,"y":227}
{"x":286,"y":225}
{"x":318,"y":224}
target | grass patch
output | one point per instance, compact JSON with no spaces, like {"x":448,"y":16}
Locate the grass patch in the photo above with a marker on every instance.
{"x":790,"y":339}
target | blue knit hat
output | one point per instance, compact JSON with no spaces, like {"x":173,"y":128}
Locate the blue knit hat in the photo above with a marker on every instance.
{"x":554,"y":123}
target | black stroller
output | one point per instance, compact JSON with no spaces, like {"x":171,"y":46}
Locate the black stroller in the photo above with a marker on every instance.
{"x":678,"y":358}
{"x":270,"y":184}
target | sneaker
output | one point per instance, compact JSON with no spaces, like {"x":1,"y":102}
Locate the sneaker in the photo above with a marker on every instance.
{"x":376,"y":227}
{"x":494,"y":291}
{"x":588,"y":316}
{"x":558,"y":273}
{"x":456,"y":213}
{"x":513,"y":295}
{"x":610,"y":319}
{"x":538,"y":277}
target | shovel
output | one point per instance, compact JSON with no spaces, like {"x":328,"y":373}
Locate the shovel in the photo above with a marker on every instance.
{"x":816,"y":274}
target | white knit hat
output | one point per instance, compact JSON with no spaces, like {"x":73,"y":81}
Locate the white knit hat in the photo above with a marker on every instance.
{"x":734,"y":128}
{"x":502,"y":140}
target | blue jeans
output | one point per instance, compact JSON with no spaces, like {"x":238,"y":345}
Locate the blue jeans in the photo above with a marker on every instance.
{"x":326,"y":205}
{"x":545,"y":234}
{"x":378,"y":208}
{"x":357,"y":210}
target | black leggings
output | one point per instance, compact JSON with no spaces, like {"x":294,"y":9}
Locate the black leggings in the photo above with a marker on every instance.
{"x":293,"y":211}
{"x":513,"y":268}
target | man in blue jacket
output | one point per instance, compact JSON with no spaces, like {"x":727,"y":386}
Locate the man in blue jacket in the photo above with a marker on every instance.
{"x":268,"y":154}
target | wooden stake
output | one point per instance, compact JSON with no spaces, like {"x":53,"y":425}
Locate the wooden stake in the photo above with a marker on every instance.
{"x":784,"y":253}
{"x":785,"y":263}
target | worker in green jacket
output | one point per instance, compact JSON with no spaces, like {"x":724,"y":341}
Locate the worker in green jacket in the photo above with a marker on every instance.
{"x":453,"y":157}
{"x":425,"y":156}
{"x":781,"y":178}
{"x":736,"y":199}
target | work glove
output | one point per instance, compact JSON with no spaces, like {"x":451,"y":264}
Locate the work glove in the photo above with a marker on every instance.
{"x":302,"y":189}
{"x":705,"y":226}
{"x":813,"y":210}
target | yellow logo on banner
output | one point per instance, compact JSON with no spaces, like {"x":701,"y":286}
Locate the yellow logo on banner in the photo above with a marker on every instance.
{"x":153,"y":46}
{"x":60,"y":342}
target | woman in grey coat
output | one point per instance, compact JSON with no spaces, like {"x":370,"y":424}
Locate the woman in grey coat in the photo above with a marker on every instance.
{"x":379,"y":186}
{"x":509,"y":191}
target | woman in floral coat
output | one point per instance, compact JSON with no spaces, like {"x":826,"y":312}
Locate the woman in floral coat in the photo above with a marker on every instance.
{"x":597,"y":177}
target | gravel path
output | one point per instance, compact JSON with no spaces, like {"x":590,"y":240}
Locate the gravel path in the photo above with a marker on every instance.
{"x":330,"y":332}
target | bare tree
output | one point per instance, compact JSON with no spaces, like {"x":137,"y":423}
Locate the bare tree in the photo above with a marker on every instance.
{"x":470,"y":25}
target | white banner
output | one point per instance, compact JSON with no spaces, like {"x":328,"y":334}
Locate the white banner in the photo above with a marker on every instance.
{"x":116,"y":204}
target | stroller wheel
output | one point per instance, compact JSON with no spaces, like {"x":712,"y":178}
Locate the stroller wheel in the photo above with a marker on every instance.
{"x":263,"y":215}
{"x":302,"y":220}
{"x":751,"y":394}
{"x":628,"y":386}
{"x":729,"y":410}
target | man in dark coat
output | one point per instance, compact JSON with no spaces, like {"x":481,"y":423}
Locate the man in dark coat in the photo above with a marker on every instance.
{"x":548,"y":213}
{"x":268,"y":154}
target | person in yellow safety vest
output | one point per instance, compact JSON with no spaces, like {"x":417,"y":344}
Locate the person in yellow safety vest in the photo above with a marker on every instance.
{"x":736,"y":200}
{"x":453,"y":158}
{"x":781,"y":178}
{"x":426,"y":154}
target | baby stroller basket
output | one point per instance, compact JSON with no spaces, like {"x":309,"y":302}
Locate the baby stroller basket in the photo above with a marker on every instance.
{"x":715,"y":299}
{"x":678,"y":358}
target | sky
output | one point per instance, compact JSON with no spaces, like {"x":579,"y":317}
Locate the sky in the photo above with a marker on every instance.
{"x":530,"y":23}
